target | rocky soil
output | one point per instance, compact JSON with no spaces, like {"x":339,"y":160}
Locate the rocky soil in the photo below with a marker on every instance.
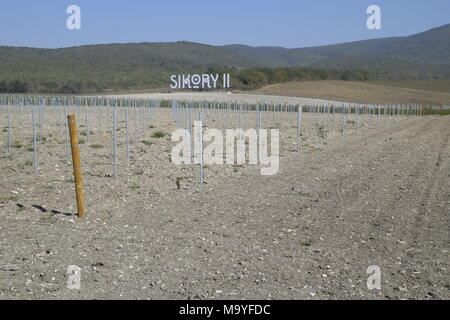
{"x":379,"y":196}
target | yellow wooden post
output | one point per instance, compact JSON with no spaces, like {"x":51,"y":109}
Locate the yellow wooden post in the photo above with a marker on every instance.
{"x":76,"y":165}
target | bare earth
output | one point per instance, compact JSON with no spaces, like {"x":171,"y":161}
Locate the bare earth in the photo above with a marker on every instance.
{"x":357,"y":92}
{"x":248,"y":97}
{"x":380,"y":196}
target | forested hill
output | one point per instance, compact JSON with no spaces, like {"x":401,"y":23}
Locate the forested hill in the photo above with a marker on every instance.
{"x":111,"y":66}
{"x":145,"y":65}
{"x":422,"y":55}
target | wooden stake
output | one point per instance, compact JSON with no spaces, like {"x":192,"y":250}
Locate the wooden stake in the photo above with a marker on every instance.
{"x":76,"y":165}
{"x":299,"y":127}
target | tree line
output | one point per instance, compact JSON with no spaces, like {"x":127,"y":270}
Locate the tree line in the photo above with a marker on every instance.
{"x":244,"y":79}
{"x":254,"y":78}
{"x":14,"y":86}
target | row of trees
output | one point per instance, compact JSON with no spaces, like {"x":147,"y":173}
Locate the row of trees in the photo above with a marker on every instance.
{"x":245,"y":79}
{"x":22,"y":86}
{"x":14,"y":86}
{"x":256,"y":77}
{"x":81,"y":81}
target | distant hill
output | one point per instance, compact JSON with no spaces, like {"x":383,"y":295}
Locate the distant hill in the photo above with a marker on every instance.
{"x":113,"y":66}
{"x":386,"y":67}
{"x":428,"y":53}
{"x":148,"y":65}
{"x":276,"y":57}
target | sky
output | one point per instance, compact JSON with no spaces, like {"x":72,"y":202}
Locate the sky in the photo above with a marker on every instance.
{"x":286,"y":23}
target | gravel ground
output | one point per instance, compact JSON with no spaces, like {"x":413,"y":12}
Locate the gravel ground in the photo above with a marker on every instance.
{"x":228,"y":96}
{"x":376,"y":197}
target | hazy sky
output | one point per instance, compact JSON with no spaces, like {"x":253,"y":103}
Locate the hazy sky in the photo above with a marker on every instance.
{"x":288,"y":23}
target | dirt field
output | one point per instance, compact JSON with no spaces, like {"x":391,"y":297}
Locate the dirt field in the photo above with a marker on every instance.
{"x":436,"y":85}
{"x":379,"y":196}
{"x":248,"y":97}
{"x":357,"y":92}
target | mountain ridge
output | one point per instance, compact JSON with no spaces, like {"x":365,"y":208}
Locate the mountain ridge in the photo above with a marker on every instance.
{"x":432,"y":45}
{"x":149,"y":64}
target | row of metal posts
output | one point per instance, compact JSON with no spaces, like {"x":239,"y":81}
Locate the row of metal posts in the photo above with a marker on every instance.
{"x":38,"y":118}
{"x":182,"y":119}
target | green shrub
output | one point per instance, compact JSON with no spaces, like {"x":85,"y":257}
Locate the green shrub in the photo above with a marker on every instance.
{"x":158,"y":134}
{"x":306,"y":242}
{"x":147,"y":143}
